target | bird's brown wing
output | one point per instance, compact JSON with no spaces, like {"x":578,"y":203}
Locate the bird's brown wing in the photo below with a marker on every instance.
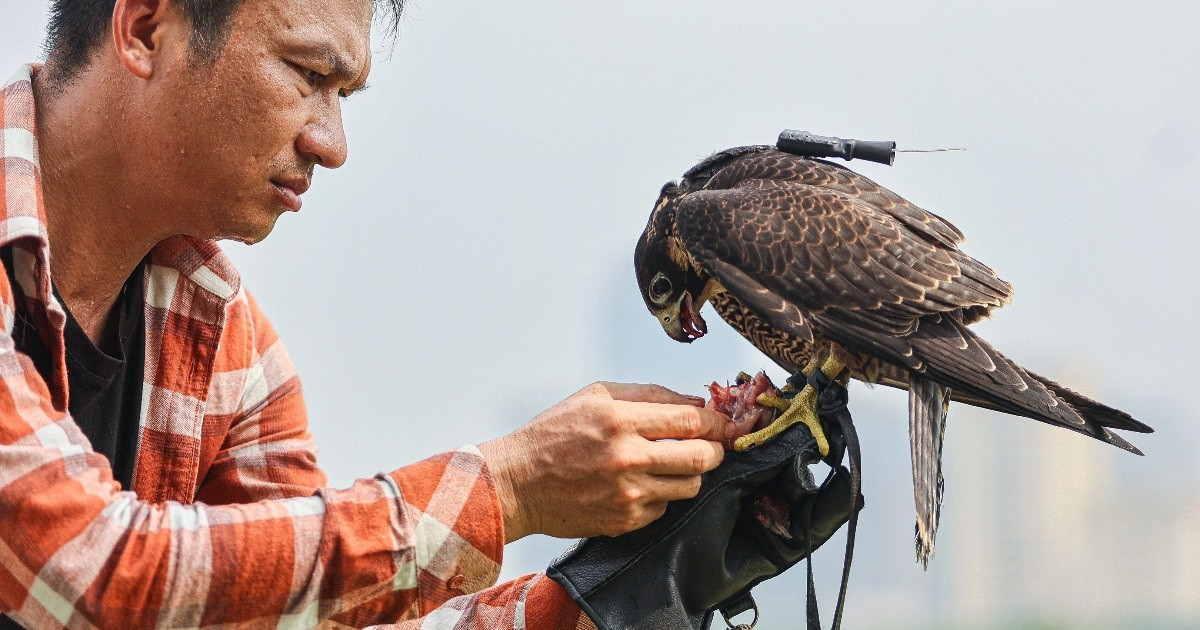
{"x":865,"y":280}
{"x":736,"y":167}
{"x":826,"y":250}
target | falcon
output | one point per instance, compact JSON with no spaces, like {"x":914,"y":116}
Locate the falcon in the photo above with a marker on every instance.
{"x":822,"y":268}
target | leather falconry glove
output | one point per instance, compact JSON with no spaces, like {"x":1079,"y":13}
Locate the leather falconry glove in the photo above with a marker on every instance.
{"x":756,"y":515}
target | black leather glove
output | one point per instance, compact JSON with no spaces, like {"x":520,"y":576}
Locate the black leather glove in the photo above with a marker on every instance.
{"x":706,"y":553}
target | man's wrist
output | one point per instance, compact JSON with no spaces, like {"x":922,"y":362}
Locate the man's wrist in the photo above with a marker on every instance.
{"x":499,"y":463}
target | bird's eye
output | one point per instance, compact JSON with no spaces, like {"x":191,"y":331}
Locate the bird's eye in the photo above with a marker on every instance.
{"x":660,"y":288}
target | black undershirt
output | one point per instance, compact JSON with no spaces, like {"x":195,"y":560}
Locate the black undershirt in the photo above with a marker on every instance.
{"x":105,"y":390}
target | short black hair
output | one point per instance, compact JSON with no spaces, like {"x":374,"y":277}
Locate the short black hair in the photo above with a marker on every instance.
{"x":76,"y":27}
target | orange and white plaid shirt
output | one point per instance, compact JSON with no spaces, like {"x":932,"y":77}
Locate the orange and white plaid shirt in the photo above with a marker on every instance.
{"x":229,"y":521}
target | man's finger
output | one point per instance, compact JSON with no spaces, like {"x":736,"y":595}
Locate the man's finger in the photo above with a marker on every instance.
{"x":685,"y":457}
{"x":656,"y":421}
{"x":638,"y":392}
{"x":674,"y":487}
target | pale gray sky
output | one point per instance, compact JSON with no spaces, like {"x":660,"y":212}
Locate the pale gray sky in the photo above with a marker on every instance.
{"x":471,"y":263}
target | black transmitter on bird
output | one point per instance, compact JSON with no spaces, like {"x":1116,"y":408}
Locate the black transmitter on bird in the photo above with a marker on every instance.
{"x":811,"y":145}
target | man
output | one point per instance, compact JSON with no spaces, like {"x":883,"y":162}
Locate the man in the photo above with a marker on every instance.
{"x":155,"y":465}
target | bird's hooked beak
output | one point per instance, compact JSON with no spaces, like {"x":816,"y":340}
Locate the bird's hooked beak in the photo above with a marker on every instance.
{"x":682,"y":321}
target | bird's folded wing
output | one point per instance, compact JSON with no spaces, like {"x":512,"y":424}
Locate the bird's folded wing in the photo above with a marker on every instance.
{"x":823,"y":249}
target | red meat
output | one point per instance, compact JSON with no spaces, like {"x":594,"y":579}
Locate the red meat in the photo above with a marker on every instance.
{"x":740,"y":402}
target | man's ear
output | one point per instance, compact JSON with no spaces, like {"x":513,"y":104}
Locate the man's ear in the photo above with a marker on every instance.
{"x":139,"y":29}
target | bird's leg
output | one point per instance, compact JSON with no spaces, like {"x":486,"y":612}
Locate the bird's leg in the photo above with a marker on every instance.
{"x":789,"y":390}
{"x":800,"y":408}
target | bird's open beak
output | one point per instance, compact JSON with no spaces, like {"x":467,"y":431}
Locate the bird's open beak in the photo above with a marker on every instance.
{"x":681,"y":321}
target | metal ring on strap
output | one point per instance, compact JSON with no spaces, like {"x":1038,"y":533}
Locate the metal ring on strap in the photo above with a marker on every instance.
{"x":742,"y":626}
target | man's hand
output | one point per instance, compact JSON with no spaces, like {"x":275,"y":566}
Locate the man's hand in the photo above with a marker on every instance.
{"x":755,"y":517}
{"x":592,"y":464}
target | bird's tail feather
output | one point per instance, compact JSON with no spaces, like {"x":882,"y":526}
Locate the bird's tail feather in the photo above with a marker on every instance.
{"x":927,"y":408}
{"x":1097,"y":412}
{"x":945,"y":350}
{"x":1094,"y":411}
{"x":954,"y":356}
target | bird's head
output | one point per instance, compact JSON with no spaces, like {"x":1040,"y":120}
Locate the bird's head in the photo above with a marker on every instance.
{"x":672,"y":287}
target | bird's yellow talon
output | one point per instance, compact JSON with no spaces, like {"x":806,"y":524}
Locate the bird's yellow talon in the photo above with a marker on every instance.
{"x":770,"y":400}
{"x":802,"y":408}
{"x":818,"y":433}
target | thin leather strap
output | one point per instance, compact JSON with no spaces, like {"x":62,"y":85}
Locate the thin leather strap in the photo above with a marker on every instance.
{"x":814,"y":616}
{"x":851,"y":438}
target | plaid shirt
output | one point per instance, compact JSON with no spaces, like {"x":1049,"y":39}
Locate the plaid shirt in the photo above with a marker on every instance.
{"x":229,"y":520}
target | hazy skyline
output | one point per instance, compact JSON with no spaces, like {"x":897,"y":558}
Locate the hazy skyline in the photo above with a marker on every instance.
{"x":471,"y":264}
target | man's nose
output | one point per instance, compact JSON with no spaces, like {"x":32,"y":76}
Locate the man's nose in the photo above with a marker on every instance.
{"x":323,"y":139}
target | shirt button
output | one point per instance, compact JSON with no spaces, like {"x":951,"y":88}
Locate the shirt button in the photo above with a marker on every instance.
{"x":456,"y":582}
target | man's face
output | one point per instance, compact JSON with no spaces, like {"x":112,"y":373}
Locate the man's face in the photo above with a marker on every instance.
{"x":232,"y":143}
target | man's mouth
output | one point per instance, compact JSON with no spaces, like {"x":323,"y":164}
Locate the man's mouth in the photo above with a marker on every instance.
{"x":693,"y":324}
{"x":288,"y":191}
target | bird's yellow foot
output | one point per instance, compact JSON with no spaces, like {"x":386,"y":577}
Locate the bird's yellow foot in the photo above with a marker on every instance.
{"x":801,"y":408}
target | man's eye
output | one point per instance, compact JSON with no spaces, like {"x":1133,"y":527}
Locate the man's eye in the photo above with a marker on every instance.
{"x":312,"y":76}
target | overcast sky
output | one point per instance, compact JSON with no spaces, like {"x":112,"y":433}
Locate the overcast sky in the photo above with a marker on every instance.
{"x":471,"y":263}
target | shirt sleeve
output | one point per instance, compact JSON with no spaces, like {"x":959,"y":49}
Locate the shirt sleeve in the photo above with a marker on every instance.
{"x":532,"y":602}
{"x":77,"y":551}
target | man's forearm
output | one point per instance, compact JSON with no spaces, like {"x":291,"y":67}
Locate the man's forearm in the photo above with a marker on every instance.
{"x":77,"y":548}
